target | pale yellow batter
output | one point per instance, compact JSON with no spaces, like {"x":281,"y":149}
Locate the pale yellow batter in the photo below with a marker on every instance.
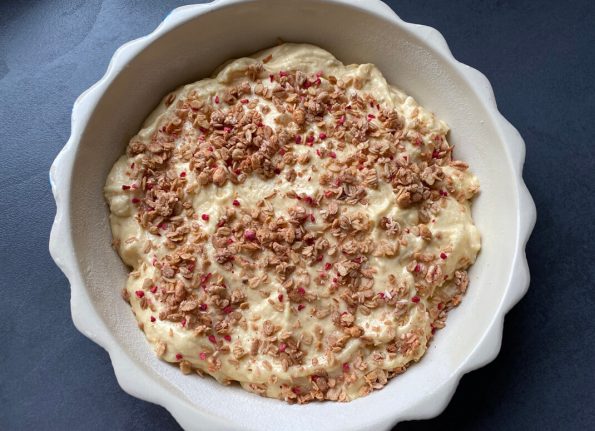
{"x":293,"y":224}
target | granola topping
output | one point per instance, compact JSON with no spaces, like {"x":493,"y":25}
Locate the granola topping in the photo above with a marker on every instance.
{"x":293,"y":224}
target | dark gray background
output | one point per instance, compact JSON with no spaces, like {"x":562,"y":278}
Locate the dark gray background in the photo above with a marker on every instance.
{"x":540,"y":58}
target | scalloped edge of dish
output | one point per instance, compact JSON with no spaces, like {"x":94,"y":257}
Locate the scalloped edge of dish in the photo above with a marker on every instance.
{"x":127,"y":371}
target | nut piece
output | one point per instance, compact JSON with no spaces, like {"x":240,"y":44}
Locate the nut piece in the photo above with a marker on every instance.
{"x":425,"y":232}
{"x":185,"y":367}
{"x":219,"y":177}
{"x":160,"y":349}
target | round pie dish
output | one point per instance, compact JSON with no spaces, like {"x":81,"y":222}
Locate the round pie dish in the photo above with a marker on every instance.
{"x":190,"y":43}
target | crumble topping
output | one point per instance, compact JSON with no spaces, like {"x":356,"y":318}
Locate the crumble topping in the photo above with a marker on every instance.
{"x":293,"y":224}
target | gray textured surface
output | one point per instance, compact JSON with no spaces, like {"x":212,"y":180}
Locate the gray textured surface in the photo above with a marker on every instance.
{"x":540,"y":59}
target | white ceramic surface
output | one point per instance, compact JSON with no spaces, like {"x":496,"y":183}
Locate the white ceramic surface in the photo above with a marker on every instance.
{"x":187,"y":46}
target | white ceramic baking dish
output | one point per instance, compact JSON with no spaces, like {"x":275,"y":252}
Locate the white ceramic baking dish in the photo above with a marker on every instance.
{"x":187,"y":46}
